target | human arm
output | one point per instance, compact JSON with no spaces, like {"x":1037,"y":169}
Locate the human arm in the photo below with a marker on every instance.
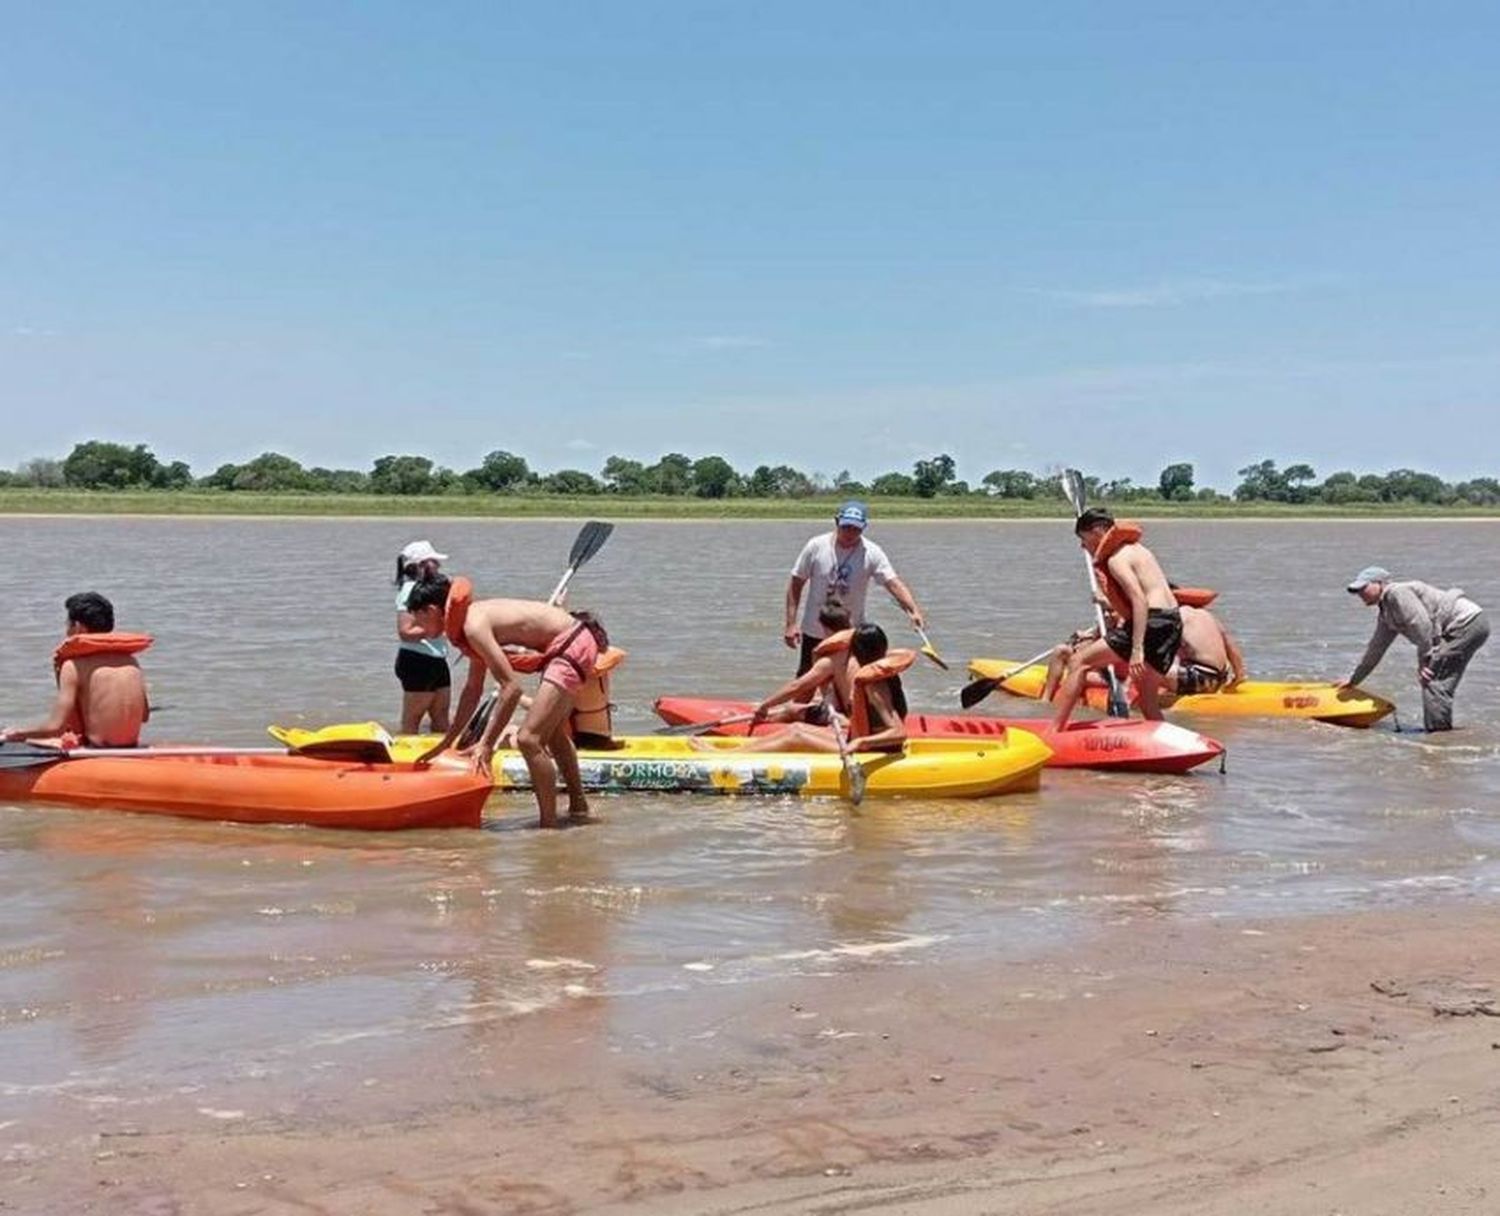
{"x":1236,"y":658}
{"x":803,"y":686}
{"x":510,"y":694}
{"x":407,"y":628}
{"x":64,"y":710}
{"x":790,"y":633}
{"x":901,"y":593}
{"x":882,"y":709}
{"x":1380,"y":641}
{"x":468,"y":702}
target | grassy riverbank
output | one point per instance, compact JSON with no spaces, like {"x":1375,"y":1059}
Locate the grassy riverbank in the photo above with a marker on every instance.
{"x":219,"y":502}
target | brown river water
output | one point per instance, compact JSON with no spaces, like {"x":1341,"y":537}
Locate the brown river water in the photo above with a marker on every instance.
{"x":158,"y":970}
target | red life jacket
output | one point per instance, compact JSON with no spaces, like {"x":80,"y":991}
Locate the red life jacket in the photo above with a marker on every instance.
{"x":85,"y":645}
{"x":866,"y":677}
{"x":1194,"y":597}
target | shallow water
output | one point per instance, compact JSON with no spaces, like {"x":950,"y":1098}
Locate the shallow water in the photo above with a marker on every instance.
{"x":155,"y":964}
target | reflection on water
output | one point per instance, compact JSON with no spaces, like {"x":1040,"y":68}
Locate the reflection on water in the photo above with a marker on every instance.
{"x":155,"y":964}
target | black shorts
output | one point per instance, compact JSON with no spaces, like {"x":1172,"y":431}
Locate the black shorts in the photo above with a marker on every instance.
{"x":1193,"y":678}
{"x":422,"y":672}
{"x":1163,"y":637}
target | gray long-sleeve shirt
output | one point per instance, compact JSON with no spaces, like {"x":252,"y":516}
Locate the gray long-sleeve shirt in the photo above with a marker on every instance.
{"x":1419,"y":612}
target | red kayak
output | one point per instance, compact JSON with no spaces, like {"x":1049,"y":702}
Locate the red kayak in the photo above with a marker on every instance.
{"x":1117,"y":745}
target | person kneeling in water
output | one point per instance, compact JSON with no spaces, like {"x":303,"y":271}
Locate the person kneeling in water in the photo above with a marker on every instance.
{"x":570,"y":644}
{"x":877,"y":704}
{"x":101,"y":691}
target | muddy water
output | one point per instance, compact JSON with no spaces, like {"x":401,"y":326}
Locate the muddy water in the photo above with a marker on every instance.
{"x":161,"y":972}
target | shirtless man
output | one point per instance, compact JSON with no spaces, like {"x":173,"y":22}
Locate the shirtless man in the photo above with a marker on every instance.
{"x":481,"y":630}
{"x":101,"y":691}
{"x":1208,"y":660}
{"x":1135,"y":589}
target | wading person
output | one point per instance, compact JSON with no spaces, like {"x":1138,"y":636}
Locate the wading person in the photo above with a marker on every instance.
{"x":1446,"y":627}
{"x":1148,"y":631}
{"x":421,"y":661}
{"x":101,"y":690}
{"x":570,"y":644}
{"x":839,"y":565}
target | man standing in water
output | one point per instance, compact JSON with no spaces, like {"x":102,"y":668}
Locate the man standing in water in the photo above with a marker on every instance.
{"x":101,"y":691}
{"x":1150,"y":628}
{"x":1447,"y":628}
{"x":839,"y":565}
{"x":569,"y":643}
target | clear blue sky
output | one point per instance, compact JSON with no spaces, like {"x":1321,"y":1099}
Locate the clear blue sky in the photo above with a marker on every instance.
{"x":838,"y":235}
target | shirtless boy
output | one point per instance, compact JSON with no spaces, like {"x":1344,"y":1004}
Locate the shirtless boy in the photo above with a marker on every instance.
{"x":481,"y":629}
{"x":1150,"y":625}
{"x":101,"y":691}
{"x":1209,"y":659}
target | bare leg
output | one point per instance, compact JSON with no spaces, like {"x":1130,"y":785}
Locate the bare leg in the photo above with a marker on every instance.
{"x":566,"y":757}
{"x":797,"y":737}
{"x":413,"y":706}
{"x":549,"y":709}
{"x":1149,"y":689}
{"x":1057,"y":666}
{"x":1091,"y":657}
{"x":437,"y":712}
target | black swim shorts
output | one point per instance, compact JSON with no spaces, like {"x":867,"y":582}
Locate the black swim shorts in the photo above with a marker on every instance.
{"x":1163,"y":637}
{"x":422,"y":672}
{"x":1193,"y":678}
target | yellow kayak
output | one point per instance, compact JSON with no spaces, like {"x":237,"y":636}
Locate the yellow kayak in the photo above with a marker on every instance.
{"x":924,"y":768}
{"x":1252,"y":699}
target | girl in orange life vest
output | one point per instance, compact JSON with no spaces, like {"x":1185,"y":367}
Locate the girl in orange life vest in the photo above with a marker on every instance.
{"x":877,"y":714}
{"x":421,"y":661}
{"x":825,"y":686}
{"x":101,"y":693}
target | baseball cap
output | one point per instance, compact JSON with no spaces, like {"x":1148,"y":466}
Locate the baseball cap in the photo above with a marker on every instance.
{"x":1370,"y":574}
{"x":852,"y":514}
{"x":421,"y":551}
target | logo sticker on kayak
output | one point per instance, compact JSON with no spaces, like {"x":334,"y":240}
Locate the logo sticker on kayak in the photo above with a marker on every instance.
{"x":705,"y":776}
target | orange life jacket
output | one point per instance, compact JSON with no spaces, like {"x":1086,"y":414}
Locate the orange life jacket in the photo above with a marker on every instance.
{"x":1125,"y":532}
{"x":456,"y":612}
{"x":833,"y":643}
{"x":85,"y":645}
{"x":866,"y":677}
{"x":1194,"y":597}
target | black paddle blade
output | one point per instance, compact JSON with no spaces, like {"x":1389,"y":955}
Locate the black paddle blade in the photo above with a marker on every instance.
{"x":972,"y":693}
{"x":591,"y":538}
{"x":473,"y":730}
{"x":1073,"y":488}
{"x":20,"y":755}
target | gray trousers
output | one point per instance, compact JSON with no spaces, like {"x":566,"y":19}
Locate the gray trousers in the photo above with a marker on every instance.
{"x":1448,"y":660}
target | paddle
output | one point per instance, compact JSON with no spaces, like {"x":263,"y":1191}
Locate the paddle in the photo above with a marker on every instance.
{"x":976,"y":691}
{"x":1073,"y":485}
{"x":590,"y":540}
{"x":852,"y":770}
{"x":21,"y":755}
{"x":702,"y":728}
{"x":928,"y":649}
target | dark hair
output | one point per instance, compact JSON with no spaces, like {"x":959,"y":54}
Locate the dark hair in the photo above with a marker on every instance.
{"x":833,"y":615}
{"x":91,"y":610}
{"x":405,"y":570}
{"x":870,"y":643}
{"x":428,"y":593}
{"x":1094,"y":517}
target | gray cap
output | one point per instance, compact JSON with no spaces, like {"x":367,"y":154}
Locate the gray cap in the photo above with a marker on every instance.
{"x":1370,"y":574}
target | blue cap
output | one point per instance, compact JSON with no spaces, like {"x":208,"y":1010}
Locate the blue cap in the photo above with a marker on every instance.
{"x":852,"y":514}
{"x":1370,"y":574}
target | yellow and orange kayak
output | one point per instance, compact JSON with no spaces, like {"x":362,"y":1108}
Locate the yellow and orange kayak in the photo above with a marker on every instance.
{"x":258,"y":788}
{"x":1322,"y":702}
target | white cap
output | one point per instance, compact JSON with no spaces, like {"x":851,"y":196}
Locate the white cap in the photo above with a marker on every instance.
{"x":421,"y":551}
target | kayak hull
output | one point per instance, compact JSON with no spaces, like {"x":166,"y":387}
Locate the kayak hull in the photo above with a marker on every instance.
{"x":259,"y":789}
{"x":1109,"y":745}
{"x":1322,"y":702}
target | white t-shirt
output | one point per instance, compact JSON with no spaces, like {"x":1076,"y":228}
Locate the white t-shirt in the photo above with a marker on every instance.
{"x":845,"y":573}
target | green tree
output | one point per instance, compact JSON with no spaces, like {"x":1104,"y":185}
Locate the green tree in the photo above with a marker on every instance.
{"x":571,"y":481}
{"x":404,"y":475}
{"x":97,"y":465}
{"x":1010,"y":483}
{"x":622,"y":476}
{"x":1176,"y":482}
{"x":893,"y":485}
{"x":1297,"y":479}
{"x":672,"y":474}
{"x":41,"y":472}
{"x":338,"y":481}
{"x":500,"y":472}
{"x":930,"y":476}
{"x":270,"y":471}
{"x":1480,"y":492}
{"x":714,"y":477}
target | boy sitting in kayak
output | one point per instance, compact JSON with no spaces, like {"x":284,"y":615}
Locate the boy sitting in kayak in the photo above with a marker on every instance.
{"x":569,"y":643}
{"x":877,"y":702}
{"x":824,"y":687}
{"x":101,"y":690}
{"x":1136,"y":590}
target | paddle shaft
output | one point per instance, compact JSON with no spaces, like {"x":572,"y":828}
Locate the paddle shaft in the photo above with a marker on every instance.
{"x":703,"y":728}
{"x":1073,"y":480}
{"x":928,"y":649}
{"x":976,"y":690}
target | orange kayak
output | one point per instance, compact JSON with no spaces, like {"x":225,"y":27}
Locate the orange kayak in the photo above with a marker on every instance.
{"x":260,"y":789}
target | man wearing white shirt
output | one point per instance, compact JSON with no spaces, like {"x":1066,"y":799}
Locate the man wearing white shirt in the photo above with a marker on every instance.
{"x":839,"y":565}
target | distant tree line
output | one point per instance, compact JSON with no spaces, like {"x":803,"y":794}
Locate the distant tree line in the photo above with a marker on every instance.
{"x":100,"y":465}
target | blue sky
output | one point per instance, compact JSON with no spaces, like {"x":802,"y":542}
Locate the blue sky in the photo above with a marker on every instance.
{"x":837,"y":235}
